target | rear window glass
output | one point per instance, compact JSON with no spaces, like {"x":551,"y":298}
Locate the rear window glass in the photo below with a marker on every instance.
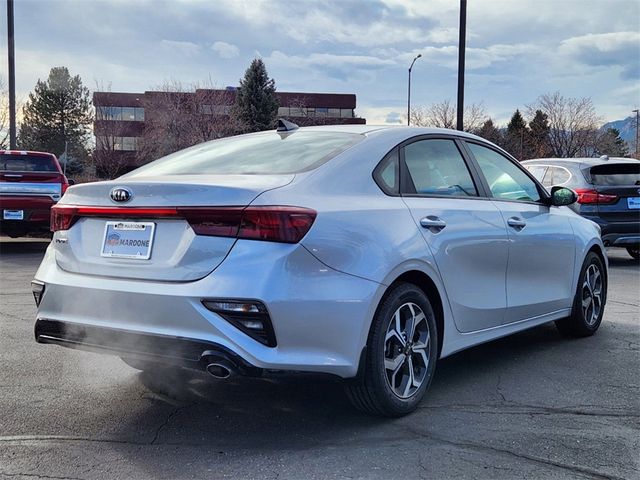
{"x":259,"y":154}
{"x":616,"y":174}
{"x":27,"y":163}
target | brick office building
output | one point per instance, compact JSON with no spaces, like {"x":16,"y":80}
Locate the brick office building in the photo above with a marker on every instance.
{"x":123,"y":119}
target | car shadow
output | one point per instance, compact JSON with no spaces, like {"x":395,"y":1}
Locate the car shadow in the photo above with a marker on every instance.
{"x":10,"y":246}
{"x":299,"y":411}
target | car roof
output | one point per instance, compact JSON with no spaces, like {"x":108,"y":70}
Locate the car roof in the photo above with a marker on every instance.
{"x":26,"y":152}
{"x":391,"y":130}
{"x":581,"y":162}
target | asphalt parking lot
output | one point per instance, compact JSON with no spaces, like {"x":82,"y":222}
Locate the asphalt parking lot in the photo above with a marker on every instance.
{"x":534,"y":405}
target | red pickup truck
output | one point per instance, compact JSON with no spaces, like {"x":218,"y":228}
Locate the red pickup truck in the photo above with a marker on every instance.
{"x":30,"y":184}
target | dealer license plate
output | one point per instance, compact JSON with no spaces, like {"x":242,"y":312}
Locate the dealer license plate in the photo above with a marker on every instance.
{"x":633,"y":203}
{"x":128,"y":240}
{"x":13,"y":214}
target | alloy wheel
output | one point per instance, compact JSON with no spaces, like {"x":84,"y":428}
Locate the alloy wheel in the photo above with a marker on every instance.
{"x":592,"y":294}
{"x":407,"y":349}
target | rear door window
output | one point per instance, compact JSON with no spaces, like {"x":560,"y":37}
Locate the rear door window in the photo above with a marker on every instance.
{"x":27,"y":163}
{"x":436,"y":167}
{"x":537,"y":171}
{"x":616,"y":174}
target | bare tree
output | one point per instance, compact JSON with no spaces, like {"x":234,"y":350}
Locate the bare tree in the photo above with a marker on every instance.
{"x":4,"y":114}
{"x":178,"y":117}
{"x":443,"y":115}
{"x":573,"y":124}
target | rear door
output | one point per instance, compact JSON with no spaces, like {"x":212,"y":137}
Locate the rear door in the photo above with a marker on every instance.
{"x":541,"y":241}
{"x":464,"y":231}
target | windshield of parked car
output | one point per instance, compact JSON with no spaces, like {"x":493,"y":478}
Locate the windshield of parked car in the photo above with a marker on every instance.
{"x":259,"y":154}
{"x":616,"y":174}
{"x":27,"y":163}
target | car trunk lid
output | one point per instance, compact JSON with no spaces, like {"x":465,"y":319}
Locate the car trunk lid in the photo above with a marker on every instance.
{"x":157,"y":234}
{"x":618,"y":191}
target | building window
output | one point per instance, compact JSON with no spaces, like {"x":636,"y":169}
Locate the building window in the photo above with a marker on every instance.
{"x":346,"y":113}
{"x":283,"y":111}
{"x":126,"y":144}
{"x":334,"y":112}
{"x":128,"y":114}
{"x":321,"y":111}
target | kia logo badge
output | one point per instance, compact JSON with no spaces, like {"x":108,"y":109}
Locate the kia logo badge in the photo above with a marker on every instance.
{"x":121,"y":194}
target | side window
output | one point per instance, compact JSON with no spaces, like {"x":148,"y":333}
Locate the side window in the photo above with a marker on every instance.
{"x":436,"y":167}
{"x":547,"y":181}
{"x":537,"y":171}
{"x":561,"y":176}
{"x":387,"y":173}
{"x":505,"y":179}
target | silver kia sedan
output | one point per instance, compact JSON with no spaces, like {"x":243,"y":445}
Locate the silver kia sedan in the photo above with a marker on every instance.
{"x":359,"y":251}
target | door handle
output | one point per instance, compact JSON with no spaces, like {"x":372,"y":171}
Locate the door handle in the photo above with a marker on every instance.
{"x":517,"y":223}
{"x":432,"y":223}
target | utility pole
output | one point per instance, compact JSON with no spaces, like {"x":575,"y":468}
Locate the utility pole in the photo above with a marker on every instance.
{"x":637,"y":112}
{"x":409,"y":91}
{"x":12,"y":77}
{"x":461,"y":52}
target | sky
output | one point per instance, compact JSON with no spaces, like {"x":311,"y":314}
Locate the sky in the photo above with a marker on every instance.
{"x":516,"y":49}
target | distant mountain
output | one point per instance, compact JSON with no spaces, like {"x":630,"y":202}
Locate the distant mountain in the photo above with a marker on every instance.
{"x":627,"y":128}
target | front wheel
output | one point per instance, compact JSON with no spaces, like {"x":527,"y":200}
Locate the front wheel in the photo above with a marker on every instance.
{"x":589,"y":301}
{"x":401,"y":357}
{"x":634,"y":252}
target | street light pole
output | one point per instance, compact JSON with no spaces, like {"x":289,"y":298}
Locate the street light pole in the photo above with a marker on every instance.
{"x":461,"y":52}
{"x":637,"y":112}
{"x":12,"y":77}
{"x":409,"y":91}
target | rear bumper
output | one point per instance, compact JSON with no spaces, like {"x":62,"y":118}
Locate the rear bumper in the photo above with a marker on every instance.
{"x":36,"y":214}
{"x":164,"y":349}
{"x":320,"y":317}
{"x":618,"y":234}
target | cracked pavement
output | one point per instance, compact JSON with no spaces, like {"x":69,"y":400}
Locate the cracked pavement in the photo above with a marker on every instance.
{"x":534,"y":405}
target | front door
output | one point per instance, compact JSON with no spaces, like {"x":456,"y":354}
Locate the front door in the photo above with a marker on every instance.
{"x":541,"y":240}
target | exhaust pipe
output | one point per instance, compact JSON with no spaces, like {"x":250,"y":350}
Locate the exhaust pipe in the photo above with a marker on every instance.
{"x":221,"y":369}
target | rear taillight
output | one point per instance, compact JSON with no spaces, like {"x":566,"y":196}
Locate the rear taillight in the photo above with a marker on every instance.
{"x":273,"y":223}
{"x":276,"y":224}
{"x":588,"y":196}
{"x":63,"y":188}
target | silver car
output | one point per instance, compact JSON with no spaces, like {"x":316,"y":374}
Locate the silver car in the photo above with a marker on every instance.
{"x":359,"y":251}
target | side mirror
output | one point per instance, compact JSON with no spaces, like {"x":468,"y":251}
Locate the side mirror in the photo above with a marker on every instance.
{"x":71,"y":181}
{"x":561,"y":196}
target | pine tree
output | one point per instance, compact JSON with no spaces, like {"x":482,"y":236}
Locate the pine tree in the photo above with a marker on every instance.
{"x":58,"y":111}
{"x":517,"y":136}
{"x":610,"y":143}
{"x":539,"y":136}
{"x":256,"y":103}
{"x":488,"y":131}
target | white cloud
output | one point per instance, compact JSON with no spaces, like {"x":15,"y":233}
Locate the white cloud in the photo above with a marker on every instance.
{"x":188,"y":49}
{"x":225,"y":50}
{"x":327,"y":60}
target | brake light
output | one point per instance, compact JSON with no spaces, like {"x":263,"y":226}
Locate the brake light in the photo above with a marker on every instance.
{"x":588,"y":196}
{"x":272,"y":223}
{"x":276,"y":224}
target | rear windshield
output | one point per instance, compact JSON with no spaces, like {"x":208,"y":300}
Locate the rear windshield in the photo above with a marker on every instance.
{"x":259,"y":154}
{"x":616,"y":174}
{"x":27,"y":163}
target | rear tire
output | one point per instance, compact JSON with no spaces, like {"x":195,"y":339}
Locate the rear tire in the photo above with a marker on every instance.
{"x":634,"y":252}
{"x":589,"y":301}
{"x":401,"y":355}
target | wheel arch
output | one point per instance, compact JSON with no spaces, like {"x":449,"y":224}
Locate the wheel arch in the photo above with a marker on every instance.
{"x":428,"y":286}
